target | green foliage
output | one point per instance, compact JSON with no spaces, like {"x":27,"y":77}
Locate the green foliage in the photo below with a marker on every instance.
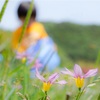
{"x":15,"y":81}
{"x":79,"y":42}
{"x":98,"y":97}
{"x":16,"y":84}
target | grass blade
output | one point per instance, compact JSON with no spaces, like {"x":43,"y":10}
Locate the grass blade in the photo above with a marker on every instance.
{"x":3,"y":9}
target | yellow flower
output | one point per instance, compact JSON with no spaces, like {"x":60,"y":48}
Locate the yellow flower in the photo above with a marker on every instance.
{"x":46,"y":86}
{"x":79,"y":82}
{"x":23,"y":59}
{"x":79,"y":76}
{"x":51,"y":80}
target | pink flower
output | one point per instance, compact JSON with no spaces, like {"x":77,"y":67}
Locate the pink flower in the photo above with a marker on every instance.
{"x":51,"y":80}
{"x":21,"y":55}
{"x":79,"y":76}
{"x":37,"y":64}
{"x":24,"y":56}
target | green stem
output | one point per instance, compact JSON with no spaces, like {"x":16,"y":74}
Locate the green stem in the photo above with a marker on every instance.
{"x":25,"y":80}
{"x":26,"y":21}
{"x":4,"y":92}
{"x":97,"y":60}
{"x":45,"y":98}
{"x":26,"y":77}
{"x":81,"y":93}
{"x":3,"y":9}
{"x":22,"y":34}
{"x":78,"y":95}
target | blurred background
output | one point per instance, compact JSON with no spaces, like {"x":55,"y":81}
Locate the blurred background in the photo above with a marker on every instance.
{"x":74,"y":25}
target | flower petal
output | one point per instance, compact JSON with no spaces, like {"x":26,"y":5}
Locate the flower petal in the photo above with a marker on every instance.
{"x":37,"y":64}
{"x":30,"y":59}
{"x":64,"y":72}
{"x":20,"y":55}
{"x":61,"y":82}
{"x":91,"y":73}
{"x":78,"y":71}
{"x":53,"y":78}
{"x":39,"y":76}
{"x":67,"y":72}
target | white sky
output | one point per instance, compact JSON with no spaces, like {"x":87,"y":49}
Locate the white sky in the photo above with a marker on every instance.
{"x":77,"y":11}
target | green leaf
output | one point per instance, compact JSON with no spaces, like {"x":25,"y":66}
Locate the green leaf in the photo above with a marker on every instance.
{"x":3,"y":9}
{"x":98,"y":97}
{"x":26,"y":21}
{"x":14,"y":71}
{"x":10,"y":93}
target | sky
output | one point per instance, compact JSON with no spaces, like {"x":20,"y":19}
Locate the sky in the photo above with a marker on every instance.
{"x":75,"y":11}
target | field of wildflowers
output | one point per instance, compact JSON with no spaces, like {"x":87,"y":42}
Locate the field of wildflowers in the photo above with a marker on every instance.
{"x":17,"y":82}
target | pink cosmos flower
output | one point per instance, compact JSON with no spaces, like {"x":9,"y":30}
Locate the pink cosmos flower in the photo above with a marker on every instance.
{"x":79,"y":76}
{"x":51,"y":80}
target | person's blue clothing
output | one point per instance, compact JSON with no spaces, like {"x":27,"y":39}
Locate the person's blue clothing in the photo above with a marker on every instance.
{"x":45,"y":50}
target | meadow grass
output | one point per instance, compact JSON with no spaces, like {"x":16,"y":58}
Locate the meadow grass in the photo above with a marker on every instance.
{"x":16,"y":82}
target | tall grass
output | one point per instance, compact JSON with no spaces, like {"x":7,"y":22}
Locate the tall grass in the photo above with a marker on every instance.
{"x":3,"y":9}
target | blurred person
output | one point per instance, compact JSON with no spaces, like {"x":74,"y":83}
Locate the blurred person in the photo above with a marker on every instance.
{"x":35,"y":40}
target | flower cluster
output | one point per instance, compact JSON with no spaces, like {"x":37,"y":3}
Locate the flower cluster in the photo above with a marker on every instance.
{"x":77,"y":75}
